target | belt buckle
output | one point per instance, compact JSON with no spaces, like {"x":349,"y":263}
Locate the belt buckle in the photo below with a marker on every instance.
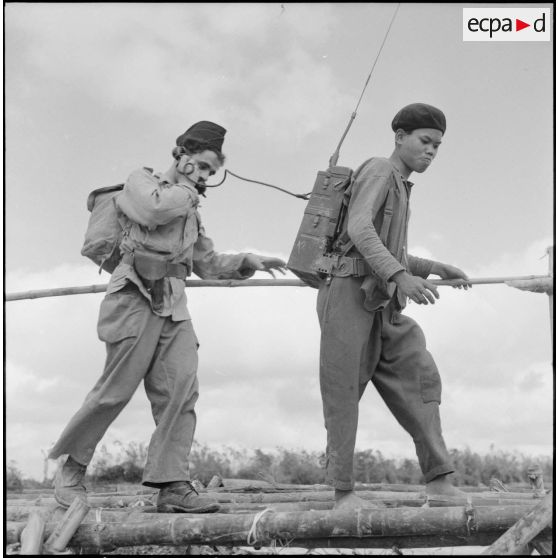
{"x":345,"y":265}
{"x":358,"y":267}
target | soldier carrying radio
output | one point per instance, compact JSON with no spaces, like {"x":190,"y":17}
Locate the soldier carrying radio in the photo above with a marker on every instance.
{"x":364,"y":335}
{"x":144,"y":320}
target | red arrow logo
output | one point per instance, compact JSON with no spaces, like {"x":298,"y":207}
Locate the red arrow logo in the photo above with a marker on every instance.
{"x":519,"y":25}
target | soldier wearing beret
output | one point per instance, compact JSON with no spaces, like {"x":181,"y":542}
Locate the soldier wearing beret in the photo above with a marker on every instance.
{"x":364,"y":335}
{"x":145,"y":323}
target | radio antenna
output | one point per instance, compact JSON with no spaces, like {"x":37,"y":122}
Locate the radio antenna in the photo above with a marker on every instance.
{"x":334,"y":158}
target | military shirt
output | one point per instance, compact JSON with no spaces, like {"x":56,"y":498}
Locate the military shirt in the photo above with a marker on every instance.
{"x":374,"y":180}
{"x":163,"y":219}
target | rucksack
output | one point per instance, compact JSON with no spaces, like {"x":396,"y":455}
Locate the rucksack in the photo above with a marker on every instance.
{"x":105,"y":228}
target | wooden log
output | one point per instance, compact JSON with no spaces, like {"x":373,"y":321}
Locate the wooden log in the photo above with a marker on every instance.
{"x":94,"y":501}
{"x":323,"y":495}
{"x":18,"y":511}
{"x":454,"y":523}
{"x":550,"y":251}
{"x":540,"y":285}
{"x":246,"y":485}
{"x":523,"y":531}
{"x":535,"y":476}
{"x":33,"y":534}
{"x":65,"y":529}
{"x":147,"y":494}
{"x":21,"y":513}
{"x":215,"y":482}
{"x":266,"y":499}
{"x":543,"y":547}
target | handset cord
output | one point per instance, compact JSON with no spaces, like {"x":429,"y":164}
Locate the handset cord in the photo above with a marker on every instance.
{"x":227,"y":171}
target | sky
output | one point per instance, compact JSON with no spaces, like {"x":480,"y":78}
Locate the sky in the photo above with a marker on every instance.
{"x":94,"y":91}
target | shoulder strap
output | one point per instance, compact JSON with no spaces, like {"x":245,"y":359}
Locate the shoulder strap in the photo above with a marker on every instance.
{"x":345,"y":205}
{"x":388,"y":214}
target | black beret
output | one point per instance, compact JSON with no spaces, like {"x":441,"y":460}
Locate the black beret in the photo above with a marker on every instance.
{"x":204,"y":131}
{"x":419,"y":115}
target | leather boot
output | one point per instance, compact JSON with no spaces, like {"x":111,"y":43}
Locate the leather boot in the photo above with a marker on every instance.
{"x":68,"y":483}
{"x":182,"y":497}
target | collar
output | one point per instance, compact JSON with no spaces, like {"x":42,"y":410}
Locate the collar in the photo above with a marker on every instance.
{"x":406,"y":181}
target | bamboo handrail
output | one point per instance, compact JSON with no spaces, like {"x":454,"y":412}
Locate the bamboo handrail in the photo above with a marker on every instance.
{"x":190,"y":283}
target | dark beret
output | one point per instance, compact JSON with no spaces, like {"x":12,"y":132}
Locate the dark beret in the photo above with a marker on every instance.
{"x":204,"y":131}
{"x":419,"y":115}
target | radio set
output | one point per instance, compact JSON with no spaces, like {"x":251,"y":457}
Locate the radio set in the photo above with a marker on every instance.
{"x":312,"y":256}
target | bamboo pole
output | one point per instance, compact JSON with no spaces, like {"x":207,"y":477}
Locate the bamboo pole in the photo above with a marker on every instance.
{"x":249,"y":486}
{"x":408,"y":498}
{"x":18,"y":511}
{"x":48,"y":493}
{"x":400,"y":525}
{"x":536,"y":479}
{"x":64,"y":530}
{"x":32,"y":535}
{"x":524,"y":530}
{"x":65,"y":291}
{"x":550,"y":251}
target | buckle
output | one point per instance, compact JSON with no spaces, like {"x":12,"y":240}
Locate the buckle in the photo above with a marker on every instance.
{"x":345,"y":266}
{"x":354,"y":267}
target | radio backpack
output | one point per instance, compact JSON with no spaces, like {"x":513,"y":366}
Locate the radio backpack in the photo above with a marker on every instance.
{"x":105,"y":228}
{"x":320,"y":225}
{"x":317,"y":252}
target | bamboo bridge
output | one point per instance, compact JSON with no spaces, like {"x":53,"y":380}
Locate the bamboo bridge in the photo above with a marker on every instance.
{"x":257,"y":514}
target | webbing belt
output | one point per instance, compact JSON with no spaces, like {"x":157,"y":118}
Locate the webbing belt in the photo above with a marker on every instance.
{"x":350,"y":267}
{"x":154,"y":268}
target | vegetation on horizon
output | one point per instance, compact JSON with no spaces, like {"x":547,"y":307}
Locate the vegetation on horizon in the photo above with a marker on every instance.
{"x":125,"y":465}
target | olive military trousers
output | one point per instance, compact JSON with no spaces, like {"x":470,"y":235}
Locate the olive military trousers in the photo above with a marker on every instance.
{"x":388,"y":349}
{"x":141,"y":346}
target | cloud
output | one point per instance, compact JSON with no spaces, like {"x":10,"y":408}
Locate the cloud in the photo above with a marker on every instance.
{"x":162,"y":57}
{"x":258,"y":367}
{"x":95,"y":90}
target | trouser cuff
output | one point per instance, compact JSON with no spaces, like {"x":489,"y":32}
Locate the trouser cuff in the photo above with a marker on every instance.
{"x":437,"y":471}
{"x":56,"y":455}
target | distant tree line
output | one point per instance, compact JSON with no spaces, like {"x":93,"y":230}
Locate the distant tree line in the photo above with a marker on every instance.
{"x":125,"y":465}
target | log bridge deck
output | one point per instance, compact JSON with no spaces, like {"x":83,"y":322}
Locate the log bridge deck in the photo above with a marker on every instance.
{"x":288,"y":515}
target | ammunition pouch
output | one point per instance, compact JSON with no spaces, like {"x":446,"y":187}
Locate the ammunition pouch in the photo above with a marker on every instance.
{"x":342,"y":266}
{"x":151,"y":267}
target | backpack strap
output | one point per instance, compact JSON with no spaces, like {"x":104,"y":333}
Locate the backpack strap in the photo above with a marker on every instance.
{"x":388,"y":214}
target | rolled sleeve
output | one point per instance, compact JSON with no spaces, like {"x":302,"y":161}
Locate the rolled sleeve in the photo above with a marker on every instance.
{"x":147,"y":202}
{"x":209,"y":264}
{"x":420,"y":266}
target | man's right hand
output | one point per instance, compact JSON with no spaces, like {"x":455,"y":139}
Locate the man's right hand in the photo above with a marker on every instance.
{"x":419,"y":290}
